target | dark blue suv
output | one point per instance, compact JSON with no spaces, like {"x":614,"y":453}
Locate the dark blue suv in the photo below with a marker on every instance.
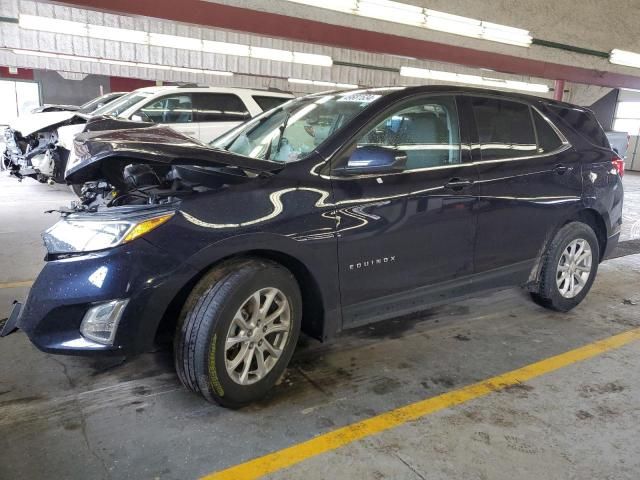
{"x":328,"y":212}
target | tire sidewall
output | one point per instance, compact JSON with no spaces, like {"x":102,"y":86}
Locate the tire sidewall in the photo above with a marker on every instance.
{"x":213,"y":380}
{"x":568,"y":234}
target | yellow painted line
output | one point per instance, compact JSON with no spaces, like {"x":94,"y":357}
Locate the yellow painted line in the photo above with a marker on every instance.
{"x":290,"y":456}
{"x":26,"y":283}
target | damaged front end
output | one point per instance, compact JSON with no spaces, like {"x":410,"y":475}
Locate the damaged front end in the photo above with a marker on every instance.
{"x":32,"y":146}
{"x":151,"y":166}
{"x":107,"y":283}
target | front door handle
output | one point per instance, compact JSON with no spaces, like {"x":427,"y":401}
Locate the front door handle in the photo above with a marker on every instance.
{"x":561,"y":169}
{"x":458,"y":184}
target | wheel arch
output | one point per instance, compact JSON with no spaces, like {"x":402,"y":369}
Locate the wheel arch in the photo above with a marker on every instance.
{"x":597,"y":223}
{"x":313,"y":305}
{"x":588,"y":216}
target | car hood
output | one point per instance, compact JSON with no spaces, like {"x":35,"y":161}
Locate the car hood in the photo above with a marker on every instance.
{"x":159,"y":145}
{"x":34,"y":122}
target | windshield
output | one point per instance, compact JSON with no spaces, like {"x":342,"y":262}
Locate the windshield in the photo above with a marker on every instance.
{"x":116,"y":108}
{"x":294,"y":130}
{"x":96,"y":103}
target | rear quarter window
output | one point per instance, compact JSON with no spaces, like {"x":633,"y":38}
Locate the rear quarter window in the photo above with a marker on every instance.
{"x":268,"y":102}
{"x":548,"y":139}
{"x":584,"y":122}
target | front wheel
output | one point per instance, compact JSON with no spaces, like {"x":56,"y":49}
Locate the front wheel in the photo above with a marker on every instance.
{"x":238,"y":331}
{"x":77,"y":189}
{"x":569,"y":268}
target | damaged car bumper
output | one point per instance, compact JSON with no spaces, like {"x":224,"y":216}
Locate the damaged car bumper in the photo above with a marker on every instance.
{"x":124,"y":291}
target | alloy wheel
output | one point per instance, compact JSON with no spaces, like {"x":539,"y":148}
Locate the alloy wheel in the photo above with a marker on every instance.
{"x":574,"y":268}
{"x":257,"y":336}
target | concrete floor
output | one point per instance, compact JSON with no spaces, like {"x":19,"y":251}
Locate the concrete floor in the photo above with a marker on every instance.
{"x":75,"y":418}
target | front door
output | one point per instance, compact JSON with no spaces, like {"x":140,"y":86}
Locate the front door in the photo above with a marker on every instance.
{"x":402,"y":231}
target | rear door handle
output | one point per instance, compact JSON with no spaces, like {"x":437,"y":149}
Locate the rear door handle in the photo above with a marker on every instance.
{"x":561,"y":169}
{"x":457,"y":184}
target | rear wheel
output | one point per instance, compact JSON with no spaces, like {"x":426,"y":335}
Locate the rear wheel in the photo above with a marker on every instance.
{"x":568,"y":268}
{"x":237,"y":331}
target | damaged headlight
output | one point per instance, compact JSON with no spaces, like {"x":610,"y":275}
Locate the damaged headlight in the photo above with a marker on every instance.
{"x":88,"y":235}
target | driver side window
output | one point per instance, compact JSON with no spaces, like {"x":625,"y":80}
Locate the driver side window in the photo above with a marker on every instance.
{"x":426,"y":130}
{"x":169,"y":109}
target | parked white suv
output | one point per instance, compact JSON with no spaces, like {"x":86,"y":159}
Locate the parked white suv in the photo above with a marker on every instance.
{"x":204,"y":113}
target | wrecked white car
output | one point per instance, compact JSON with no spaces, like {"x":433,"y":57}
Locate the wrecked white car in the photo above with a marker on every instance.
{"x":32,"y":141}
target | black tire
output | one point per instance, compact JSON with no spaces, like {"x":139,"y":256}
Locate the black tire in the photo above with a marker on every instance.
{"x":206,"y":318}
{"x":77,"y":189}
{"x":548,"y":294}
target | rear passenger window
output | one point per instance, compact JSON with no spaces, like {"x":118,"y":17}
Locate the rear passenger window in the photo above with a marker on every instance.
{"x":267,"y":103}
{"x":426,"y":131}
{"x":505,"y":129}
{"x":220,"y":107}
{"x":548,"y":139}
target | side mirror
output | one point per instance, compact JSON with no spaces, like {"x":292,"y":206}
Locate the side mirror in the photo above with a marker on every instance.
{"x":137,"y":118}
{"x":373,"y":159}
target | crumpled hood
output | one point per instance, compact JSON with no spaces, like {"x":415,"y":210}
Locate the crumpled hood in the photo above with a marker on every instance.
{"x":67,"y":133}
{"x":159,"y":145}
{"x":34,"y":122}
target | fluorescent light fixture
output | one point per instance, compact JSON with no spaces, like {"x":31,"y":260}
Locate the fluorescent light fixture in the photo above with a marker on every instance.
{"x":445,"y":22}
{"x":406,"y":14}
{"x":318,"y":83}
{"x":272,"y":54}
{"x":473,"y":80}
{"x":120,"y":62}
{"x":32,"y":22}
{"x":53,"y":25}
{"x":623,"y":57}
{"x":392,"y":11}
{"x":312,"y":59}
{"x":119,"y":34}
{"x":173,"y":41}
{"x":225,"y":48}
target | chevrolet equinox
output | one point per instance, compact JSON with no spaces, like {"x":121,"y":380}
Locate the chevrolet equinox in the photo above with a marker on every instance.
{"x":325,"y":213}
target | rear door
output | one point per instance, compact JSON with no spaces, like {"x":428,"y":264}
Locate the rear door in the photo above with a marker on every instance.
{"x":217,"y":113}
{"x":400,"y":232}
{"x":529,"y":182}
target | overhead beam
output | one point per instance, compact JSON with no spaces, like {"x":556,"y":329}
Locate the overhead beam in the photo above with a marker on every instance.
{"x":299,"y":29}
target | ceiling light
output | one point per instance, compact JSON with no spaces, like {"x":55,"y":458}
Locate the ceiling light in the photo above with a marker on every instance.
{"x":272,"y":54}
{"x":455,"y":24}
{"x":225,"y":48}
{"x":406,"y":14}
{"x":53,"y":25}
{"x":318,"y":83}
{"x":473,"y":80}
{"x":120,"y":34}
{"x":120,"y":62}
{"x":173,"y":41}
{"x":392,"y":11}
{"x":312,"y":59}
{"x":623,"y":57}
{"x":32,"y":22}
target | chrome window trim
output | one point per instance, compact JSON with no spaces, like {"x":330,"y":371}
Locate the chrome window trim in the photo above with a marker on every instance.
{"x":565,"y":145}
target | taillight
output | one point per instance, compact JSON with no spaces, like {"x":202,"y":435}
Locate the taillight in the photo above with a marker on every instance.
{"x":618,"y":164}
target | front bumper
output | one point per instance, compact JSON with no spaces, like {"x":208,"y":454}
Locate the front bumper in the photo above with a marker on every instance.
{"x":65,"y":289}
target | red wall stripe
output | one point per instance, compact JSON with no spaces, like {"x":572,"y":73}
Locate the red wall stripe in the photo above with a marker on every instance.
{"x":299,"y":29}
{"x":23,"y":74}
{"x":121,"y":84}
